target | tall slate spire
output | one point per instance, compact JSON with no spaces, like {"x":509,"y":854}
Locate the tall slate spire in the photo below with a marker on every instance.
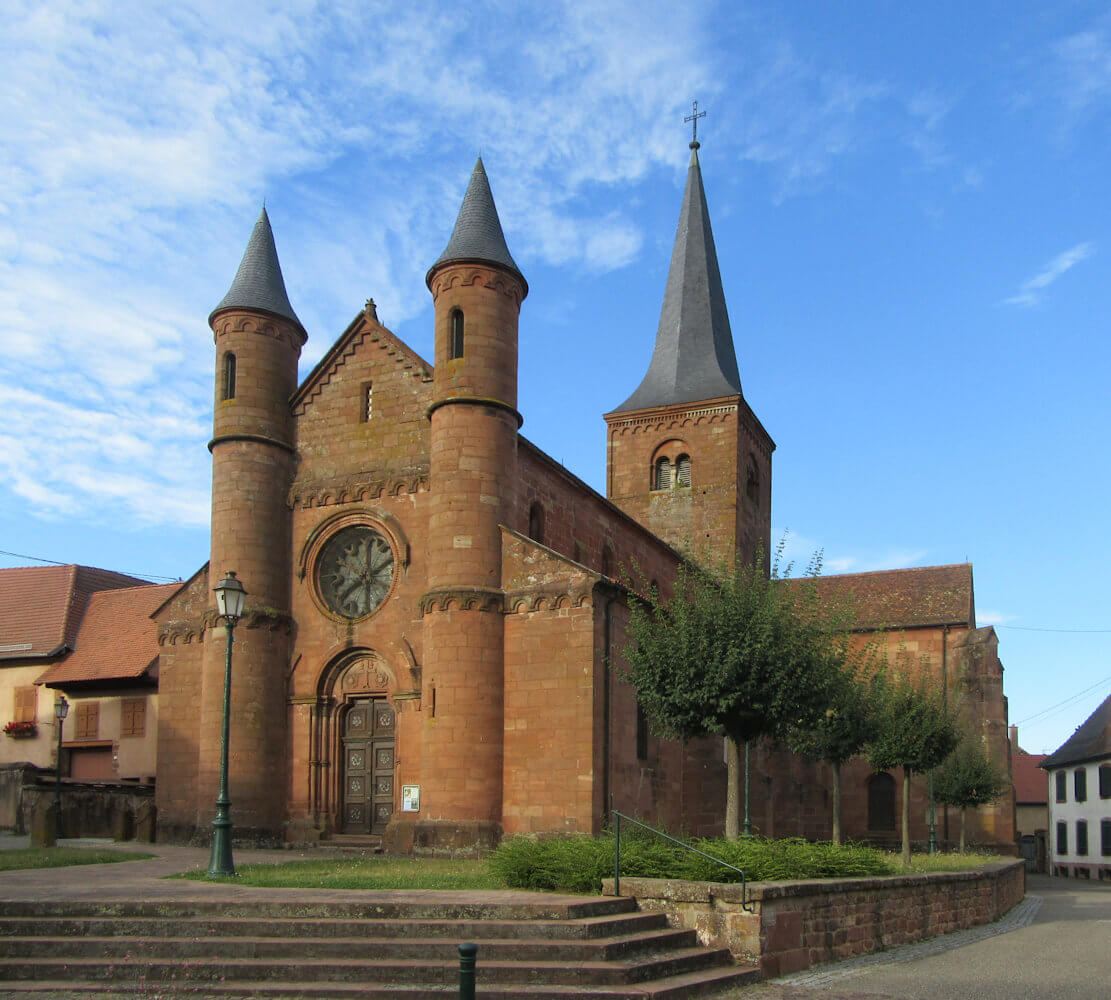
{"x":478,"y":235}
{"x":694,"y":356}
{"x":259,"y":283}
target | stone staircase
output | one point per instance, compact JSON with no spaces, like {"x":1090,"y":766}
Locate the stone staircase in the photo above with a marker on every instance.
{"x":590,"y":948}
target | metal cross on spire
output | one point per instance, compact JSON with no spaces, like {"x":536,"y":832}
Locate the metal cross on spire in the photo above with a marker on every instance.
{"x":693,"y":118}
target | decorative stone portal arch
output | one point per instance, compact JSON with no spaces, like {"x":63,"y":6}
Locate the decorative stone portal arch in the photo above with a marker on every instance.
{"x":353,"y":735}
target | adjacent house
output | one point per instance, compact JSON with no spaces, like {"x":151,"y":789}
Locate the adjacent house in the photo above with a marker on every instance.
{"x":87,"y":634}
{"x":1031,"y":804}
{"x":1080,"y":799}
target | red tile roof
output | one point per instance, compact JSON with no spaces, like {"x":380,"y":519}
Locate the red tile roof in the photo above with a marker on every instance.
{"x":904,"y":598}
{"x":41,"y":606}
{"x":118,"y":639}
{"x":1028,"y":778}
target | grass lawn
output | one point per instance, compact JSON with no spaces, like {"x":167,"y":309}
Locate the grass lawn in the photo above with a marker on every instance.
{"x":376,"y":872}
{"x":59,"y":857}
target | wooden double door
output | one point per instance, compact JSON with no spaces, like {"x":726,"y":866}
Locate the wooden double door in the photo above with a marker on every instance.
{"x":368,"y":765}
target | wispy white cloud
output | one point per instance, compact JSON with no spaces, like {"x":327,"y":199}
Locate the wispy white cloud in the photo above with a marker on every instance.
{"x":987,"y":616}
{"x":1032,"y":290}
{"x":138,"y":139}
{"x":1083,"y":66}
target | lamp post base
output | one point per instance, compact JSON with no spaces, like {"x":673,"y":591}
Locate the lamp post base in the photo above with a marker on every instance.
{"x":221,"y":863}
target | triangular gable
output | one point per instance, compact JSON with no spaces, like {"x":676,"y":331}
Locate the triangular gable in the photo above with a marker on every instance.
{"x":364,"y":327}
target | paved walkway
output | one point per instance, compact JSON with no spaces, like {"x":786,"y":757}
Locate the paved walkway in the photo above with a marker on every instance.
{"x":146,"y":879}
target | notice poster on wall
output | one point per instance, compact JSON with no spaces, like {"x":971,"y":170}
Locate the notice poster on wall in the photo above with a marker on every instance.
{"x":410,"y":798}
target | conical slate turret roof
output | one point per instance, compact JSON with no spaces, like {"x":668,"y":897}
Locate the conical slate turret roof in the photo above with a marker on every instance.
{"x":478,"y":235}
{"x":259,"y":283}
{"x":694,"y":357}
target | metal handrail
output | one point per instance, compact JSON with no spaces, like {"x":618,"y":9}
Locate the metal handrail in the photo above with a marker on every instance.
{"x":674,"y":840}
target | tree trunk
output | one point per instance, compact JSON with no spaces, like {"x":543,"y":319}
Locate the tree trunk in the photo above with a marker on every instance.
{"x":962,"y":828}
{"x":906,"y":817}
{"x":732,"y":791}
{"x":836,"y":802}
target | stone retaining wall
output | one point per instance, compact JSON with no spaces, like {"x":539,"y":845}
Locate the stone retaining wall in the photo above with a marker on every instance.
{"x":796,"y":925}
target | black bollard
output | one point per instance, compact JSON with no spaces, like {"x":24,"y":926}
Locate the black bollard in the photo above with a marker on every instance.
{"x":467,"y":953}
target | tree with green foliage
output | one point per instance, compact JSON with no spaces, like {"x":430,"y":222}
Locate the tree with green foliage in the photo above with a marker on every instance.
{"x":730,"y":653}
{"x":968,"y":777}
{"x":916,"y":732}
{"x":850,"y":720}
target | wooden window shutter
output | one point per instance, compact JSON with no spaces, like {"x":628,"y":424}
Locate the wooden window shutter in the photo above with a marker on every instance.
{"x":88,"y":720}
{"x":133,"y":717}
{"x":1081,"y":836}
{"x":26,"y":704}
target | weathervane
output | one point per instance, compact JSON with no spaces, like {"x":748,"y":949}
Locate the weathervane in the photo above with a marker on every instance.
{"x":693,"y":119}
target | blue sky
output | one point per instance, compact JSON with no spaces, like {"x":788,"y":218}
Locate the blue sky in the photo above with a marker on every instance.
{"x":911,"y":215}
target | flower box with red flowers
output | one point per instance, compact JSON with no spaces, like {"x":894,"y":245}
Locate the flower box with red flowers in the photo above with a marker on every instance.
{"x":21,"y":730}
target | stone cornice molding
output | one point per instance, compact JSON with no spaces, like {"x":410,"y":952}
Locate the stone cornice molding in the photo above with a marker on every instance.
{"x":448,"y":276}
{"x":358,"y":488}
{"x":495,"y":404}
{"x":193,"y":630}
{"x":255,"y":438}
{"x":463,"y":599}
{"x":550,"y":597}
{"x":240,"y":321}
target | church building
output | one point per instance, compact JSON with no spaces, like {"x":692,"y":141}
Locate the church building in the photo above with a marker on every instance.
{"x":435,"y":606}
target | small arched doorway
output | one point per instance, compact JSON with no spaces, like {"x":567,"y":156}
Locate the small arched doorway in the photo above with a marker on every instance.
{"x":368,"y":765}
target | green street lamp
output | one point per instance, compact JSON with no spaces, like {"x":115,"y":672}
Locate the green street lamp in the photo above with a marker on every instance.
{"x":230,"y":597}
{"x":61,"y":710}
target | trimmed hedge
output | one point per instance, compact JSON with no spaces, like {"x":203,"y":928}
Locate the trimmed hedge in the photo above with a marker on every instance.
{"x":579,"y":863}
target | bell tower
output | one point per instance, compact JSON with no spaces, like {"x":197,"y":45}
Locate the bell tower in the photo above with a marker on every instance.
{"x":686,"y":456}
{"x":258,"y":341}
{"x":477,"y":290}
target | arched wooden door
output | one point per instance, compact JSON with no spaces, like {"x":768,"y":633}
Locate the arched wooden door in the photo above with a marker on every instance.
{"x":368,"y":765}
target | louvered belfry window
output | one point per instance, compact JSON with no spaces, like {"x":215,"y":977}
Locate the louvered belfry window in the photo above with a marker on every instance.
{"x":663,"y":474}
{"x":683,"y":471}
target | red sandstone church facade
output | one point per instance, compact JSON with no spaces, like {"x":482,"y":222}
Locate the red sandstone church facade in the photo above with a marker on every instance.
{"x":435,"y":605}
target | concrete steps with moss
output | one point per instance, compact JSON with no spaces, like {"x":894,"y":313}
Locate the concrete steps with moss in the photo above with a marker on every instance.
{"x":596,"y":948}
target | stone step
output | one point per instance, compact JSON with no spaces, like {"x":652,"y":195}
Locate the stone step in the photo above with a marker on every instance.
{"x":704,"y":983}
{"x":89,"y":944}
{"x":428,"y":908}
{"x":357,"y":970}
{"x":583,"y":928}
{"x":392,"y":945}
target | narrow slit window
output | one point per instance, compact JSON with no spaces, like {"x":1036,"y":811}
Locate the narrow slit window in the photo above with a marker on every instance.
{"x":683,"y":471}
{"x":368,"y":402}
{"x":607,"y":560}
{"x":642,"y":734}
{"x":229,"y":376}
{"x":536,"y":523}
{"x":663,"y":474}
{"x":456,"y":334}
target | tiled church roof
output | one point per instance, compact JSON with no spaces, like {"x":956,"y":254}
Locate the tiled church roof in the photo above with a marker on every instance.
{"x":259,"y":283}
{"x":478,"y":234}
{"x":904,"y":598}
{"x":694,"y":357}
{"x":117,"y":640}
{"x":1091,"y":740}
{"x":41,"y":607}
